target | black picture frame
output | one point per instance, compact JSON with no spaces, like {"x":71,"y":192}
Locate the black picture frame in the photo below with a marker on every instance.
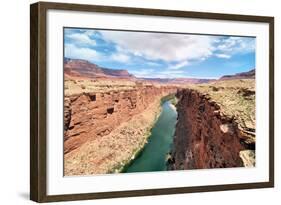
{"x":38,"y":102}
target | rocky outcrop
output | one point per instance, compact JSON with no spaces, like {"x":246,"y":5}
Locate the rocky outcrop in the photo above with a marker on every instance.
{"x":83,"y":68}
{"x":244,"y":75}
{"x":248,"y":157}
{"x":94,"y":115}
{"x":205,"y":137}
{"x":113,"y":152}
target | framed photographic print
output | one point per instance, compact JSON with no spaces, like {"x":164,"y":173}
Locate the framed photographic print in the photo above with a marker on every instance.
{"x":134,"y":102}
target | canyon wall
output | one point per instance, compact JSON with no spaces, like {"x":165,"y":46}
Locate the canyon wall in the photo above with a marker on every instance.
{"x":204,"y":137}
{"x":94,"y":115}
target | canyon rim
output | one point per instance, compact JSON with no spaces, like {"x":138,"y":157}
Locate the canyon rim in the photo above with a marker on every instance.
{"x":148,"y":101}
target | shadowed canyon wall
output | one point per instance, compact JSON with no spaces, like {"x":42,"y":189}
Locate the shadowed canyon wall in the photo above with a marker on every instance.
{"x":204,"y":137}
{"x":92,"y":115}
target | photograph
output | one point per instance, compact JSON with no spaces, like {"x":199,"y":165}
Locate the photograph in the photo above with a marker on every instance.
{"x":141,"y":101}
{"x":146,"y":101}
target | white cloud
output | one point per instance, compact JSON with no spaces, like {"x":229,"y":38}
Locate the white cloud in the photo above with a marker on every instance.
{"x":179,"y":65}
{"x":120,"y":57}
{"x":221,"y":55}
{"x":72,"y":51}
{"x":151,"y":73}
{"x":155,"y":49}
{"x":234,"y":45}
{"x":159,"y":46}
{"x":90,"y":32}
{"x":170,"y":74}
{"x":143,"y":73}
{"x":82,"y":38}
{"x":152,"y":63}
{"x":178,"y":74}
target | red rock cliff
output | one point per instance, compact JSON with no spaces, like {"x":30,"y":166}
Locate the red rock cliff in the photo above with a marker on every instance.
{"x":204,"y":137}
{"x":92,"y":115}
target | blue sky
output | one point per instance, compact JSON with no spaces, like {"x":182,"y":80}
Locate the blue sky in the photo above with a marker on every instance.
{"x":162,"y":55}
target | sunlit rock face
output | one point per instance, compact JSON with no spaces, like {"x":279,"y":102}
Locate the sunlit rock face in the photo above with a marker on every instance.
{"x":94,"y":115}
{"x":205,"y":137}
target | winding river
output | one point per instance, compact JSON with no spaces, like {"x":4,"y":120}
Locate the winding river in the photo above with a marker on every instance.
{"x":153,"y":156}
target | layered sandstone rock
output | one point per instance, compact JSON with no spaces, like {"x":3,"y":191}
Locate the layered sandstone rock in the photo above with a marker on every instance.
{"x":112,"y":152}
{"x":94,"y":115}
{"x":205,"y":137}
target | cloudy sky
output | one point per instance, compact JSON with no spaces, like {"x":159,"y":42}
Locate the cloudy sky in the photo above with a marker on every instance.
{"x":162,"y":55}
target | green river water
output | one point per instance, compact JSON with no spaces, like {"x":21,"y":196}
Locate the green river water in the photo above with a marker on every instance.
{"x":153,"y":156}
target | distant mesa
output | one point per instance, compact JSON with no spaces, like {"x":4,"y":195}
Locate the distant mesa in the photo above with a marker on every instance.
{"x":245,"y":75}
{"x":177,"y":80}
{"x":83,"y":68}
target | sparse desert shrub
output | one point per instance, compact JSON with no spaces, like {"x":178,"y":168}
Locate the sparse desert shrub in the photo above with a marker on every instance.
{"x":174,"y":101}
{"x":215,"y":89}
{"x":246,"y":92}
{"x":83,"y":87}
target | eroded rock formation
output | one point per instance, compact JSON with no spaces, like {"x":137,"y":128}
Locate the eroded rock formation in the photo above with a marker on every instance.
{"x":205,"y":137}
{"x":244,"y":75}
{"x":94,"y":115}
